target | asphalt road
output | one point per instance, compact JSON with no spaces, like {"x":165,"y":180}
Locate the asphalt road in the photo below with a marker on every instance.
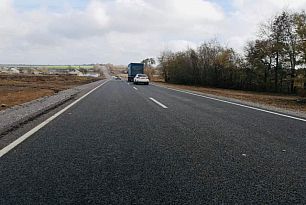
{"x":118,"y":146}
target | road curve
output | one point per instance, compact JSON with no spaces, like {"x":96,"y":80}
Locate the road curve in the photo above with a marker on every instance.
{"x":118,"y":146}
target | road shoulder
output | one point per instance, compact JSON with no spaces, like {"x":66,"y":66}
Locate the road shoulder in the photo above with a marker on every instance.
{"x":191,"y":89}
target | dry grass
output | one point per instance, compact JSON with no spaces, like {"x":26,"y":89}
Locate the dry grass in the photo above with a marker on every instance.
{"x":277,"y":100}
{"x":18,"y":89}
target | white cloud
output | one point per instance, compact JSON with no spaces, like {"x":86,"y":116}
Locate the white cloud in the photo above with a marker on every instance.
{"x":120,"y":31}
{"x":196,"y":10}
{"x":243,"y":22}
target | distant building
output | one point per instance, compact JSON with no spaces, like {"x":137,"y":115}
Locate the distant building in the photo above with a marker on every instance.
{"x":60,"y":71}
{"x":14,"y":71}
{"x":94,"y":75}
{"x":2,"y":70}
{"x":36,"y":72}
{"x":76,"y":72}
{"x":10,"y":70}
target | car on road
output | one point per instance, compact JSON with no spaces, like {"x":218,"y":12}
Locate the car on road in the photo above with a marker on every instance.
{"x":117,"y":78}
{"x":141,"y":79}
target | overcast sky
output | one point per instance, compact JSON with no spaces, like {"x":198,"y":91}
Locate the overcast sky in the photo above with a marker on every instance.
{"x":123,"y":31}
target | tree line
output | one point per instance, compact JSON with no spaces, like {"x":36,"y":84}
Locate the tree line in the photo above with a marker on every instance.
{"x":269,"y":63}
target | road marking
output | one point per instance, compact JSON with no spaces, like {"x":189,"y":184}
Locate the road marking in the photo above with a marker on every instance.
{"x":135,"y":88}
{"x":158,"y":103}
{"x":11,"y":146}
{"x":237,"y":104}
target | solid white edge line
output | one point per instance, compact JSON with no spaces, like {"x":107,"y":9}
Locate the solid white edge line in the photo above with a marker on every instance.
{"x":160,"y":104}
{"x":135,"y":88}
{"x":233,"y":103}
{"x":11,"y":146}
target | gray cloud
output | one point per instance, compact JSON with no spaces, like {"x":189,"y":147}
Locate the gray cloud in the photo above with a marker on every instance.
{"x":121,"y":31}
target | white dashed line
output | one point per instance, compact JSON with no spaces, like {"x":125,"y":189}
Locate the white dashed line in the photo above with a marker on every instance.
{"x":158,"y":103}
{"x":135,"y":88}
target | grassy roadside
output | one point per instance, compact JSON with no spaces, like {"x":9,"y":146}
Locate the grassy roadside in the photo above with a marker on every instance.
{"x":288,"y":102}
{"x":18,"y":89}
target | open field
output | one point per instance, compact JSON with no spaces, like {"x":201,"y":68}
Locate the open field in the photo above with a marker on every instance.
{"x":271,"y":99}
{"x":18,"y":89}
{"x":68,"y":66}
{"x":49,"y":66}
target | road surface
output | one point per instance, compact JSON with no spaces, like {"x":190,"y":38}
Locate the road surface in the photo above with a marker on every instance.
{"x":126,"y":144}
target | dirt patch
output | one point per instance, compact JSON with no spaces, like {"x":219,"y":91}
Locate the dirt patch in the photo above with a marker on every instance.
{"x":291,"y":102}
{"x":18,"y":89}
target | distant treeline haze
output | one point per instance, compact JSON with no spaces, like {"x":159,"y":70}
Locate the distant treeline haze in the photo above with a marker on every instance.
{"x":270,"y":63}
